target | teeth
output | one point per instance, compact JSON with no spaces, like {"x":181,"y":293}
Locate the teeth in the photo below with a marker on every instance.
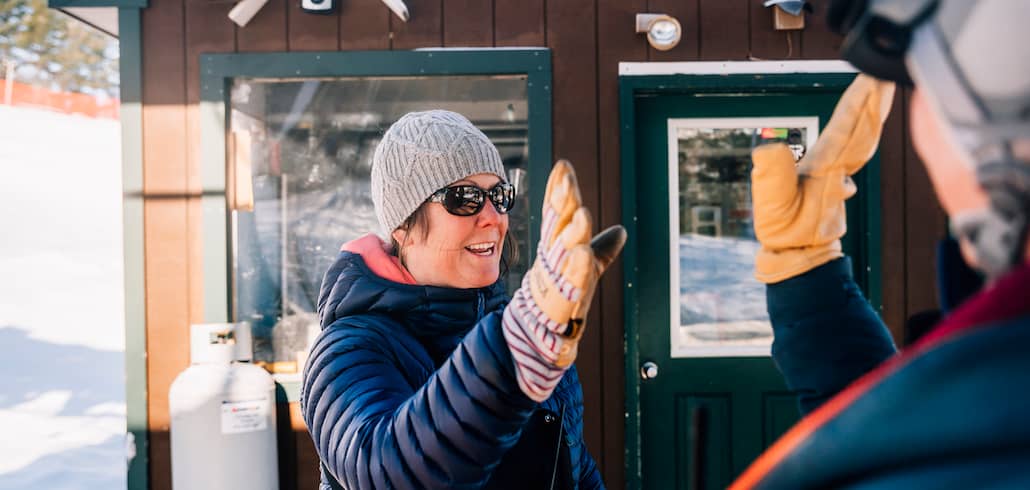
{"x":481,"y":248}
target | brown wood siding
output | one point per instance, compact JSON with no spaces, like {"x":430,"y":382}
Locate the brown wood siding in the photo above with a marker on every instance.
{"x":817,"y":42}
{"x":364,"y":24}
{"x":588,"y":39}
{"x":723,"y":29}
{"x":519,"y":23}
{"x":616,"y":43}
{"x":767,"y":43}
{"x":266,"y":31}
{"x":572,"y":37}
{"x":166,"y":231}
{"x":892,"y":176}
{"x":468,"y":23}
{"x":310,"y":32}
{"x":424,"y":28}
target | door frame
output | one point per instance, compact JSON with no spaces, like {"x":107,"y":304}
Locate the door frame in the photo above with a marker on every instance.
{"x":657,"y":78}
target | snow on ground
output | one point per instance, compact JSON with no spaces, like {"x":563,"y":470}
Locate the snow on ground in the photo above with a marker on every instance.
{"x":62,"y":394}
{"x":721,"y":303}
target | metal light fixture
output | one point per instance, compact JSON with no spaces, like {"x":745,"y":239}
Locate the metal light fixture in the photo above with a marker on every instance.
{"x":663,"y":31}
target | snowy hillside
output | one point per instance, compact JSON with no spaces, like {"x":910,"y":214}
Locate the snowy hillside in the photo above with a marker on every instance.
{"x":62,"y":400}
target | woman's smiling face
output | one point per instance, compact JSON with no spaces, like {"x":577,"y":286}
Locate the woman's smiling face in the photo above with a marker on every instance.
{"x":456,"y":251}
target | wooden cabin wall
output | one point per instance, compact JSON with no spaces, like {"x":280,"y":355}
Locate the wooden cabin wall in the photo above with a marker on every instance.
{"x":588,"y":39}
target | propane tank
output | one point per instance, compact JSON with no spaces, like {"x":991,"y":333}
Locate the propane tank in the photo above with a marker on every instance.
{"x":223,"y":414}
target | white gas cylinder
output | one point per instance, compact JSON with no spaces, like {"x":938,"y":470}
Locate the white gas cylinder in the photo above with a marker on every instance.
{"x":222,"y":410}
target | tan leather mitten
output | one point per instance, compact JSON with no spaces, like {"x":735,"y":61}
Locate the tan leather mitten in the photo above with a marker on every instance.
{"x":546,"y":316}
{"x":799,"y":208}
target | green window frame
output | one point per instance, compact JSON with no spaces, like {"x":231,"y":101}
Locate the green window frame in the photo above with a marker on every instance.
{"x":218,"y":71}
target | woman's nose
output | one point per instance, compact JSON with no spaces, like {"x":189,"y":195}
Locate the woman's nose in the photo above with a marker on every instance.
{"x":489,"y":215}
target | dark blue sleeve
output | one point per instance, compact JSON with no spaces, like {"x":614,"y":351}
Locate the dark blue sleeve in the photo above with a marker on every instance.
{"x":372,"y":429}
{"x":589,"y":476}
{"x":826,"y":333}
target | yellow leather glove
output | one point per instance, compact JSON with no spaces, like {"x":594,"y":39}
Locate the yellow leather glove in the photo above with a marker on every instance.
{"x":799,"y":209}
{"x":546,"y":317}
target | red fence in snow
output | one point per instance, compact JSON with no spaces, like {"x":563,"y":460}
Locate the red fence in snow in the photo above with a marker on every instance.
{"x":23,"y":95}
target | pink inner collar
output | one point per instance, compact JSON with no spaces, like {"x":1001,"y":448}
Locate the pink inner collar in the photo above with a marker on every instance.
{"x":376,"y":255}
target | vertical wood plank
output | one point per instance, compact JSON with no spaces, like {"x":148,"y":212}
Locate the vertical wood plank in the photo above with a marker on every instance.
{"x":364,"y":24}
{"x":615,"y":42}
{"x":766,"y":42}
{"x":468,"y":23}
{"x":164,"y":98}
{"x":423,"y":29}
{"x":312,"y":32}
{"x":519,"y":23}
{"x":160,"y":460}
{"x":892,"y":217}
{"x":286,"y":449}
{"x":723,"y":29}
{"x":298,"y":460}
{"x":817,"y":41}
{"x":571,"y":34}
{"x":266,"y":31}
{"x":167,"y":304}
{"x":165,"y":243}
{"x":306,"y":457}
{"x":686,"y":12}
{"x":925,"y":224}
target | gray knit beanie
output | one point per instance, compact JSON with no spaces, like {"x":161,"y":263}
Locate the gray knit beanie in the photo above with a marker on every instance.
{"x":421,"y":153}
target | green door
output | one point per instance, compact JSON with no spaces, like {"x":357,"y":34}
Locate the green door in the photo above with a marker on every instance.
{"x":705,"y":396}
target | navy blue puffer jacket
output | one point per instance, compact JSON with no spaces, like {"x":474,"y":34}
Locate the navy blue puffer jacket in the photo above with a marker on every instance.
{"x":414,"y":387}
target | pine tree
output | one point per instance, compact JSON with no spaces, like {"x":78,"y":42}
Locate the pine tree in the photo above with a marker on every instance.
{"x":55,"y":51}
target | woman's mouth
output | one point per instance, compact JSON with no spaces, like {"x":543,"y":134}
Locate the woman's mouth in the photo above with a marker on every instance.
{"x":485,"y":249}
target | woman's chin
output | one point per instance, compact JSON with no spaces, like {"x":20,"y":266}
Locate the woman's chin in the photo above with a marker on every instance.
{"x":482,"y":277}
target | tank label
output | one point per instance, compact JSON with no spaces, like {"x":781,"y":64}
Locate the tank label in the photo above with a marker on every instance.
{"x":245,"y":416}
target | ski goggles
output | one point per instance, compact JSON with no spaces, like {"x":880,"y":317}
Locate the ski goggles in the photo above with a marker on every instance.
{"x":468,"y":200}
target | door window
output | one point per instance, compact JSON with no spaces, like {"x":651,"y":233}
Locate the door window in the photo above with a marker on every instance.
{"x":717,"y":306}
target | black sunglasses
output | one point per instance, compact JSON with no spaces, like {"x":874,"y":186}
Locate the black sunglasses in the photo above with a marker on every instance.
{"x":467,"y":200}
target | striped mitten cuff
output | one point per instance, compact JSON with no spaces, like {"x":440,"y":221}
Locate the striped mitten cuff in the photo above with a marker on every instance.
{"x":536,"y":342}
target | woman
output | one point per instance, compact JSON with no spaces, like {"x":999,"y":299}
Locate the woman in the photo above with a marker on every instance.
{"x":424,"y":375}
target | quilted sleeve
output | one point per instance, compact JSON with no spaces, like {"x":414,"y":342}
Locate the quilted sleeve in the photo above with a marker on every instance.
{"x":372,"y":429}
{"x":589,"y":476}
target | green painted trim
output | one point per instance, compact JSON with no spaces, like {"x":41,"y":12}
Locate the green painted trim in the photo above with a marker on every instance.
{"x":631,"y":87}
{"x":627,"y":135}
{"x":216,"y":226}
{"x":541,"y":158}
{"x":139,"y":4}
{"x":671,"y":84}
{"x":287,"y":391}
{"x":131,"y":86}
{"x":218,"y":70}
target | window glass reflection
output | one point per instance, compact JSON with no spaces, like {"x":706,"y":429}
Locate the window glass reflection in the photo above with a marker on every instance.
{"x":721,"y":307}
{"x":310,"y":145}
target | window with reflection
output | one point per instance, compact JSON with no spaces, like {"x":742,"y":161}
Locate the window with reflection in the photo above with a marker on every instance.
{"x":718,"y":307}
{"x":309,"y":145}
